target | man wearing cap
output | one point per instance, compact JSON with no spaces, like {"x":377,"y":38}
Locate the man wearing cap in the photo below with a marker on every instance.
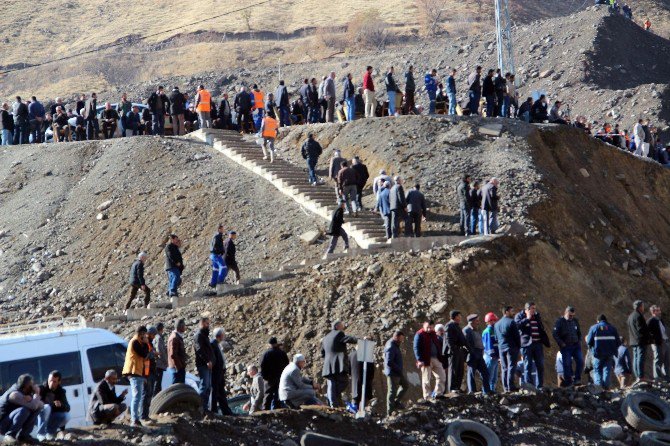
{"x":231,"y":260}
{"x":491,"y":354}
{"x":509,"y":343}
{"x":296,"y":390}
{"x":216,"y":252}
{"x":336,"y":230}
{"x":475,"y":358}
{"x":603,"y":340}
{"x":428,"y":353}
{"x":273,"y":362}
{"x":638,"y":333}
{"x":455,"y":344}
{"x":137,"y":281}
{"x":533,"y":338}
{"x":334,"y":352}
{"x":396,"y":384}
{"x":568,"y":336}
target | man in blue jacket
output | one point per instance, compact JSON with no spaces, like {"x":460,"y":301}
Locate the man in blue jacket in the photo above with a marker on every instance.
{"x":603,"y":340}
{"x":509,"y":343}
{"x":533,"y":338}
{"x":385,"y":207}
{"x":568,"y":336}
{"x":431,"y":89}
{"x":393,"y":369}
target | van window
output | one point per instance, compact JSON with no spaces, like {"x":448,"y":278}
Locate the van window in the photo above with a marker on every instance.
{"x":69,"y":364}
{"x":106,"y":357}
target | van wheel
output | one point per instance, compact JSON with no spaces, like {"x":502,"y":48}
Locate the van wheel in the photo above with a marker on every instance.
{"x":646,"y":412}
{"x":178,"y":398}
{"x":471,"y":433}
{"x":314,"y":439}
{"x":650,"y":438}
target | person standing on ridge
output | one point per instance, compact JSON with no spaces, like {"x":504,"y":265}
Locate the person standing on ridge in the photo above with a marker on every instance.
{"x":137,"y":281}
{"x":311,"y":151}
{"x":203,"y":104}
{"x":174,"y":264}
{"x":216,"y":253}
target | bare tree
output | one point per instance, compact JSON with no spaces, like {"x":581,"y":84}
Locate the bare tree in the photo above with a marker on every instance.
{"x":246,"y":17}
{"x":430,"y":15}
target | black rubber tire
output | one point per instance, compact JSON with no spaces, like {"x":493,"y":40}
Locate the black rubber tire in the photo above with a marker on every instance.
{"x":650,"y":438}
{"x":646,"y":412}
{"x":314,"y":439}
{"x":178,"y":398}
{"x":468,"y":432}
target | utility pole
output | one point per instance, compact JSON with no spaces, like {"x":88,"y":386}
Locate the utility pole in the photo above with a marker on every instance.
{"x":504,"y":37}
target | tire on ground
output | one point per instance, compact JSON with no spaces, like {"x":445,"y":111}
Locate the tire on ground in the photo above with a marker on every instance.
{"x":650,"y":438}
{"x":314,"y":439}
{"x":468,"y":432}
{"x":178,"y":398}
{"x":646,"y":412}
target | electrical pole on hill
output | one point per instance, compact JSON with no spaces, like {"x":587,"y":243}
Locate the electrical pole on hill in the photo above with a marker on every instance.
{"x":504,"y":37}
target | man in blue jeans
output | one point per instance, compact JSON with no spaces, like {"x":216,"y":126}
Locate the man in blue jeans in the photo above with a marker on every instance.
{"x":216,"y":252}
{"x":311,"y":150}
{"x":474,"y":90}
{"x":509,"y":343}
{"x":174,"y":264}
{"x":640,"y":338}
{"x":568,"y":336}
{"x":55,"y":414}
{"x":204,"y":361}
{"x":604,"y":341}
{"x":533,"y":338}
{"x":451,"y":91}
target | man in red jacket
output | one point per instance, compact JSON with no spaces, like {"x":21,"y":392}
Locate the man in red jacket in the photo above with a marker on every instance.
{"x":369,"y":94}
{"x":428,"y":354}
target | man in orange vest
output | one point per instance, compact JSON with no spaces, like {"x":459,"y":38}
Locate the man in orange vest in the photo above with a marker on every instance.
{"x":203,"y":104}
{"x":259,"y":100}
{"x":135,"y":368}
{"x":269,"y":131}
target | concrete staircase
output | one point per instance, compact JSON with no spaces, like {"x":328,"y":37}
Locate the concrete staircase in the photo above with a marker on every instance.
{"x":366,"y":229}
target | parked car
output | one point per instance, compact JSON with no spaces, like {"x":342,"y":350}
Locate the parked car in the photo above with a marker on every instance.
{"x":80,"y":353}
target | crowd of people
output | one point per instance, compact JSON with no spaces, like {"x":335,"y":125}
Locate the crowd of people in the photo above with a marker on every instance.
{"x":507,"y":354}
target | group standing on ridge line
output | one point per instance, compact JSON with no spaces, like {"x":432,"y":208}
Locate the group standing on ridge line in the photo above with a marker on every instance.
{"x":445,"y":355}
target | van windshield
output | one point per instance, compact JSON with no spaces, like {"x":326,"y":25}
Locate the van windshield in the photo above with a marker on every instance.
{"x":69,"y":364}
{"x":107,"y":357}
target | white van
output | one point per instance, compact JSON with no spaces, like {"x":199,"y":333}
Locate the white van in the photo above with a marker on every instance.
{"x":81,"y":354}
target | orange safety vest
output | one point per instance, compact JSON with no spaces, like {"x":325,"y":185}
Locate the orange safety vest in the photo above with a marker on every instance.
{"x":205,"y":103}
{"x":270,"y":126}
{"x":259,"y":100}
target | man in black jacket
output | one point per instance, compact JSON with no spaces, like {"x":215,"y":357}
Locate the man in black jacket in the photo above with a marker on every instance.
{"x":105,"y":404}
{"x":533,"y":338}
{"x":310,"y":151}
{"x":363,"y":175}
{"x":219,"y":395}
{"x":489,"y":92}
{"x":410,"y":89}
{"x":456,"y":345}
{"x":349,"y":97}
{"x":464,"y":204}
{"x":159,"y":104}
{"x":90,"y":115}
{"x":21,"y":122}
{"x":639,"y":338}
{"x":137,"y":280}
{"x":489,"y":207}
{"x":660,"y":344}
{"x":283,"y":102}
{"x":177,"y":107}
{"x":568,"y":336}
{"x":216,"y":252}
{"x":500,"y":84}
{"x":334,"y":352}
{"x":55,"y":414}
{"x":273,"y":362}
{"x":313,"y":106}
{"x":242,"y":104}
{"x":109,"y":118}
{"x":336,"y":230}
{"x":538,"y":112}
{"x":416,"y":212}
{"x":6,"y":126}
{"x":229,"y":256}
{"x":204,"y":361}
{"x":174,"y":264}
{"x":391,"y":91}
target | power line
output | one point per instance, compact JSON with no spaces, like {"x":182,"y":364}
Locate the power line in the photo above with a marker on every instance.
{"x":113,"y":45}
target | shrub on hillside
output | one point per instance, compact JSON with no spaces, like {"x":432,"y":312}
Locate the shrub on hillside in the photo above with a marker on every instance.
{"x":368,"y":30}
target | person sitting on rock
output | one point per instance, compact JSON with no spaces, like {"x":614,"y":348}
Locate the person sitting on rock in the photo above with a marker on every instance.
{"x":296,"y":390}
{"x":538,"y":112}
{"x":105,"y":404}
{"x":555,"y":114}
{"x":20,"y":406}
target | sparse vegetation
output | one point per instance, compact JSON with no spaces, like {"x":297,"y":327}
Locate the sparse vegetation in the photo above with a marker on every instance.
{"x":431,"y":14}
{"x":367,"y":30}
